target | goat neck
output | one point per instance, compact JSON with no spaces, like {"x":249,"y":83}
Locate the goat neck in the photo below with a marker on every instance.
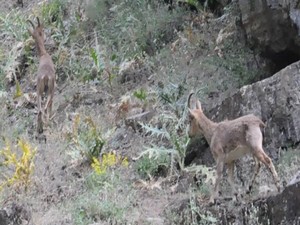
{"x":40,"y":47}
{"x":206,"y":125}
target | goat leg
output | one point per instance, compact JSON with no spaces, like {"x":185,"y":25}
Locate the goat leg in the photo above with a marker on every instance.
{"x":257,"y":168}
{"x":261,"y":156}
{"x":39,"y":123}
{"x":39,"y":116}
{"x":231,"y":179}
{"x":220,"y":167}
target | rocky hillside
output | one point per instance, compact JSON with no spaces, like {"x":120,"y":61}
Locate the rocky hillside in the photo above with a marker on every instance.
{"x":116,"y":150}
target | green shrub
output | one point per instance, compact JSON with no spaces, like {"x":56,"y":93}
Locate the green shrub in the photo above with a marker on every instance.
{"x":13,"y":25}
{"x":54,"y":11}
{"x":133,"y":27}
{"x":236,"y":63}
{"x":102,"y":202}
{"x":149,"y":167}
{"x":155,"y":157}
{"x":141,"y":94}
{"x":86,"y":139}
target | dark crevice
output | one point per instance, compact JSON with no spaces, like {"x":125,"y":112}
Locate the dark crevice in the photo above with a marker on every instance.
{"x":280,"y":60}
{"x":272,"y":36}
{"x":215,"y":7}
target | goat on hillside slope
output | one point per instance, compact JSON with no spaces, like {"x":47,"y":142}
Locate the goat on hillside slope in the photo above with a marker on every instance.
{"x":45,"y":75}
{"x":230,"y":140}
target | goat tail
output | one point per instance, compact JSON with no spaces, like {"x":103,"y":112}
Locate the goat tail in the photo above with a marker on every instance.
{"x":262,"y":125}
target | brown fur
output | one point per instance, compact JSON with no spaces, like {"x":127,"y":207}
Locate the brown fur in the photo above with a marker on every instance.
{"x":45,"y":75}
{"x":230,"y":140}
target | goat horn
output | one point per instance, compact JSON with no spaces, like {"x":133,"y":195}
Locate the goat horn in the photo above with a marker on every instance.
{"x":29,"y":21}
{"x":38,"y":20}
{"x":189,"y":99}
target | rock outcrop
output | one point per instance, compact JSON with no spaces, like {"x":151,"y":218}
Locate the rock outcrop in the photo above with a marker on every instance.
{"x":273,"y":27}
{"x":282,"y":208}
{"x":278,"y":209}
{"x":270,"y":23}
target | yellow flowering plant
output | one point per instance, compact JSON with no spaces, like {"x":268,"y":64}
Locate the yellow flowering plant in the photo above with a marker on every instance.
{"x":107,"y":161}
{"x":22,"y":164}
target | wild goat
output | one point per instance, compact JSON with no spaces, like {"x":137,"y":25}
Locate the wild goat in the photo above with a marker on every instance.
{"x":45,"y":75}
{"x":230,"y":140}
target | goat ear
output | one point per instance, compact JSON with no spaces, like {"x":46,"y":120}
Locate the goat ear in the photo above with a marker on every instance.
{"x":30,"y":30}
{"x":198,"y":105}
{"x":191,"y":113}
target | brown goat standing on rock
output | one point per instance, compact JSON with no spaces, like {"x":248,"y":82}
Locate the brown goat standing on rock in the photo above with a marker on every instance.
{"x":230,"y":140}
{"x":45,"y":75}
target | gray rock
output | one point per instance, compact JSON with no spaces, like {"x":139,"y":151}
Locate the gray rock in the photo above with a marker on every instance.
{"x":271,"y":24}
{"x":281,"y":209}
{"x":134,"y":120}
{"x":295,"y":179}
{"x":3,"y":217}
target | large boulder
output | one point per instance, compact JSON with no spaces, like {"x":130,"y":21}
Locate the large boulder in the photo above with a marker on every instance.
{"x":271,"y":23}
{"x":281,"y":209}
{"x":273,"y":28}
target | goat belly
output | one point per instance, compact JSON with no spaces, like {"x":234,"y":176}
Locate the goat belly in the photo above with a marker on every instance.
{"x":236,"y":153}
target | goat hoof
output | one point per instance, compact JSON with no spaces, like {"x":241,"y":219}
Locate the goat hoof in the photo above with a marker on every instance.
{"x":236,"y":202}
{"x":214,"y":202}
{"x":237,"y":198}
{"x":278,"y":189}
{"x":40,"y":131}
{"x":211,"y":202}
{"x":41,"y":137}
{"x":249,"y":188}
{"x":284,"y":184}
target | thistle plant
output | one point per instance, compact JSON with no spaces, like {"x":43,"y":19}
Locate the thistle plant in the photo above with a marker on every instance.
{"x":86,"y":138}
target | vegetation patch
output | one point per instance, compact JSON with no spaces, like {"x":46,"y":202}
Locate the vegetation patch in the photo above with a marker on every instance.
{"x":17,"y":164}
{"x":85,"y":139}
{"x":103,"y":200}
